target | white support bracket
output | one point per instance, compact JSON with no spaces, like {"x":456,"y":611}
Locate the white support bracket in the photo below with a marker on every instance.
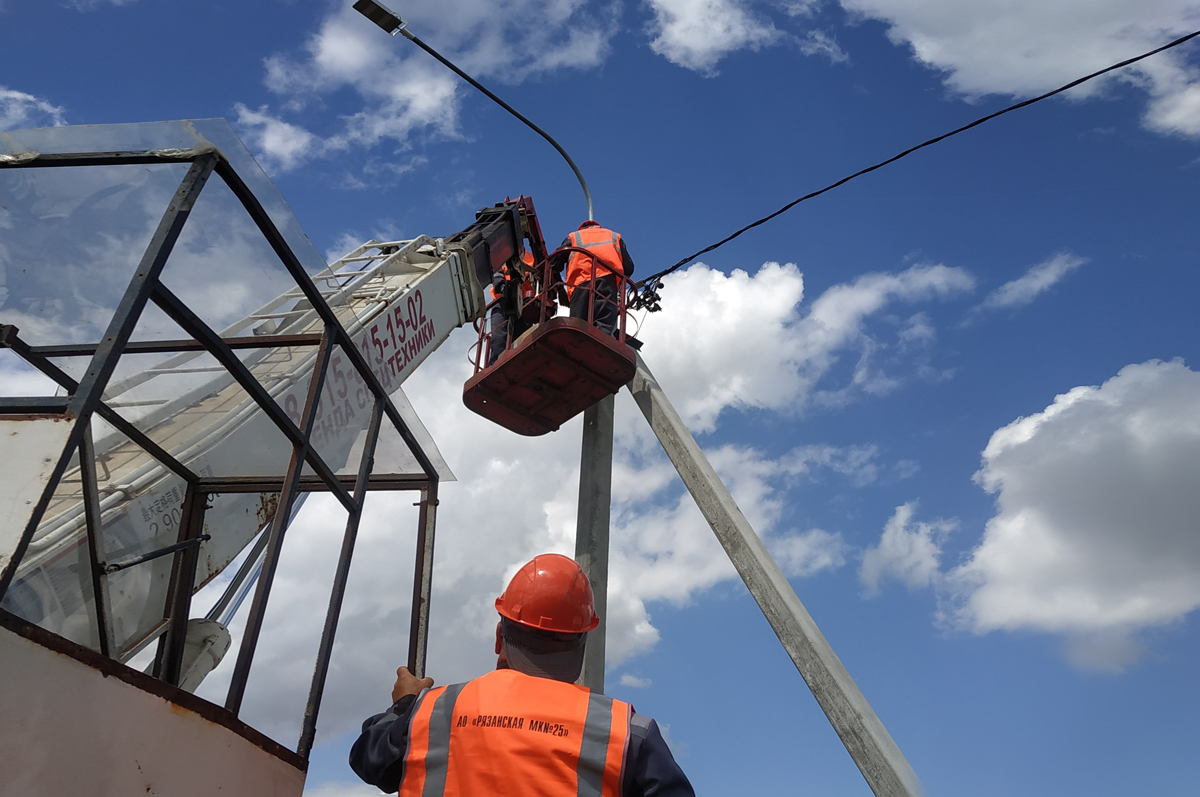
{"x":870,"y":745}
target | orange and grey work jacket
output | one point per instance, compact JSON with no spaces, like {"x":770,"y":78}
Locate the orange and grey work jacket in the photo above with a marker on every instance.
{"x":527,"y":259}
{"x":511,"y":733}
{"x":610,"y":255}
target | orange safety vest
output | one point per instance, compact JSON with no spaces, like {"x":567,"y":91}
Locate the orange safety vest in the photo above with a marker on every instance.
{"x":527,"y":259}
{"x":603,"y":243}
{"x":507,"y":733}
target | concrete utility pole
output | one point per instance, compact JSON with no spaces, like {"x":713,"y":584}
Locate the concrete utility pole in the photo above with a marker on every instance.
{"x":591,"y":528}
{"x":878,"y":758}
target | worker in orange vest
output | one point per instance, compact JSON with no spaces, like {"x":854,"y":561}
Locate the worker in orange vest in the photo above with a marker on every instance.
{"x":497,"y":323}
{"x":526,"y":728}
{"x":611,"y":259}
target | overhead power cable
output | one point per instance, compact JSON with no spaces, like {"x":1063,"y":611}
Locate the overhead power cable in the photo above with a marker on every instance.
{"x":391,"y":22}
{"x":649,"y":286}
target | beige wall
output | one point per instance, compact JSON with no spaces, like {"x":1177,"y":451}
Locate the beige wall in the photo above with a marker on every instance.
{"x":66,"y":729}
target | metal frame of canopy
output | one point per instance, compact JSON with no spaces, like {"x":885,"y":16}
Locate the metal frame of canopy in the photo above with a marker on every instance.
{"x":84,"y":398}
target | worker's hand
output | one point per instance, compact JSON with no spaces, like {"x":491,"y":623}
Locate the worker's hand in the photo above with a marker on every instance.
{"x":408,"y":684}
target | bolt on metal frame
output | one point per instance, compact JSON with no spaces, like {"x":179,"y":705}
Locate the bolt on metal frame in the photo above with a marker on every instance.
{"x":85,"y":398}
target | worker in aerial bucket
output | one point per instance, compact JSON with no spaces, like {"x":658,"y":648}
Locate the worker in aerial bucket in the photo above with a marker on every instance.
{"x":498,"y":319}
{"x":526,"y":728}
{"x":611,"y":259}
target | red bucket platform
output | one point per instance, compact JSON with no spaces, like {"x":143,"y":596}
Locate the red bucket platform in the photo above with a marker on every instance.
{"x":553,"y":373}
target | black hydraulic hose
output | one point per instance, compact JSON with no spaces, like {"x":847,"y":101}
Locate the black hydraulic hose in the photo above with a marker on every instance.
{"x":649,"y":285}
{"x":392,"y":23}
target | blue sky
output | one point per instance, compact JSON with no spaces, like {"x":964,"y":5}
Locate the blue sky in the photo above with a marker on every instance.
{"x":956,"y":397}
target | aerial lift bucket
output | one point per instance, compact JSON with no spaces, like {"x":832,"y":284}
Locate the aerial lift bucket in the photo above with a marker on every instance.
{"x":551,"y":374}
{"x":556,"y":369}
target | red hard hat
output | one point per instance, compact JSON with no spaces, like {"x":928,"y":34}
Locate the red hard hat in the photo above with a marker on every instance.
{"x":551,"y":593}
{"x":589,"y":223}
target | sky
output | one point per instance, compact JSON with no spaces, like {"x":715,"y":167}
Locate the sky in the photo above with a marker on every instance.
{"x":958,"y":397}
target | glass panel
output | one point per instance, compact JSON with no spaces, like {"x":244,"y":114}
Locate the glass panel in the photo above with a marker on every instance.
{"x":392,"y":454}
{"x":141,"y":504}
{"x":19,"y":378}
{"x":182,"y":134}
{"x":192,"y":407}
{"x":73,"y":237}
{"x":343,"y":415}
{"x":424,"y":438}
{"x":225,"y":271}
{"x":53,"y":585}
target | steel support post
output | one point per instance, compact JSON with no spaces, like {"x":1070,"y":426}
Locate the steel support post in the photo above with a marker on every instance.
{"x":308,"y":731}
{"x":95,"y":542}
{"x":870,"y":745}
{"x":418,"y":631}
{"x":169,"y":665}
{"x":591,"y":527}
{"x":279,"y":524}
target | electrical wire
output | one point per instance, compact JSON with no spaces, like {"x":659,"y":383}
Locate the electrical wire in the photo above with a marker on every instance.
{"x":646,"y":290}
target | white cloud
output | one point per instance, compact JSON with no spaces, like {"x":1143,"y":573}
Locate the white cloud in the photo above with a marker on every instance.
{"x":19,"y":378}
{"x":801,"y":555}
{"x":907,"y":552}
{"x":517,"y":496}
{"x":19,"y":110}
{"x":779,"y":362}
{"x":1033,"y":283}
{"x":400,"y":90}
{"x":1094,"y":535}
{"x":1026,"y":47}
{"x":818,"y":42}
{"x":630,"y":680}
{"x":280,"y":145}
{"x":696,"y":34}
{"x":88,"y":5}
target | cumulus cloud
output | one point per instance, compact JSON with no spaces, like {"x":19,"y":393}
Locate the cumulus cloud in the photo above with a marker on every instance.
{"x":1033,"y":283}
{"x":1026,"y":47}
{"x":280,"y":145}
{"x":696,"y":34}
{"x":1094,"y":537}
{"x":908,"y":552}
{"x":633,"y":681}
{"x":818,"y":42}
{"x":779,"y":362}
{"x":88,"y":5}
{"x":1095,"y":531}
{"x":517,"y":496}
{"x":399,"y":90}
{"x":19,"y":110}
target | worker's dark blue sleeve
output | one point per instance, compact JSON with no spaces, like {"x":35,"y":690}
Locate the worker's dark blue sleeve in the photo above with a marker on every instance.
{"x":650,"y":769}
{"x":626,"y":260}
{"x":378,"y":755}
